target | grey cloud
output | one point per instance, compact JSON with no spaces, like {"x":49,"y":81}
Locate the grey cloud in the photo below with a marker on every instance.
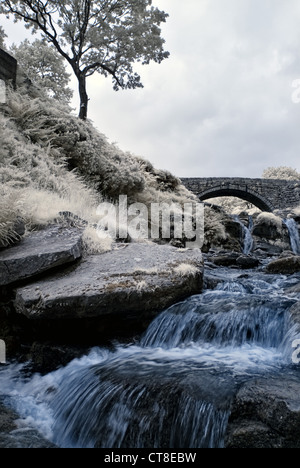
{"x":221,"y":105}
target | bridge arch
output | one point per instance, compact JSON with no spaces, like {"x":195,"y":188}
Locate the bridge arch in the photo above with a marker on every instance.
{"x":247,"y":195}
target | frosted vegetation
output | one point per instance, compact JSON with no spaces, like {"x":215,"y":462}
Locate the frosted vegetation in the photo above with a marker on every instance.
{"x":53,"y":162}
{"x":105,"y":37}
{"x":270,"y":219}
{"x":45,"y":67}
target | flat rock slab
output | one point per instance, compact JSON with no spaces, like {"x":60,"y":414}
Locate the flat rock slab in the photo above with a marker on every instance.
{"x":39,"y":252}
{"x":133,"y":278}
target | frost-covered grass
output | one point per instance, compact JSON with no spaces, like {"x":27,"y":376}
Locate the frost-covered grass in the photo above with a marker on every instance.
{"x":186,"y":269}
{"x":94,"y":244}
{"x":296,"y":211}
{"x":52,"y":162}
{"x":10,"y":209}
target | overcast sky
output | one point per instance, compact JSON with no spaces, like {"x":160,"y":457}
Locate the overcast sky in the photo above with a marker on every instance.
{"x":221,"y":105}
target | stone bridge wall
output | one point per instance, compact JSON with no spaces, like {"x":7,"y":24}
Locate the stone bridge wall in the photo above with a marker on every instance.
{"x":8,"y":73}
{"x":266,"y":194}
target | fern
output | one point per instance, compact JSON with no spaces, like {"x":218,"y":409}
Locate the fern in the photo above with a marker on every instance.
{"x":10,"y":212}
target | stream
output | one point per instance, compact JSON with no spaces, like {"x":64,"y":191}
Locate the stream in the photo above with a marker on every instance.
{"x":173,"y":388}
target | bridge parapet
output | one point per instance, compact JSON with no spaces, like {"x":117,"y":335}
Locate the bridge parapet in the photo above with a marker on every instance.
{"x":266,"y":194}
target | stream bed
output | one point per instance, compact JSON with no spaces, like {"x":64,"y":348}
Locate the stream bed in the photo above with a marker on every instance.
{"x":174,"y":386}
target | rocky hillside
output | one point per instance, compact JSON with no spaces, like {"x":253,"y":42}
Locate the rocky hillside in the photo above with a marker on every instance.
{"x":51,"y":162}
{"x":54,"y":172}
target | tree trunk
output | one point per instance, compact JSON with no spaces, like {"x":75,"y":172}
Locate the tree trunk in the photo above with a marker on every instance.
{"x":84,"y":99}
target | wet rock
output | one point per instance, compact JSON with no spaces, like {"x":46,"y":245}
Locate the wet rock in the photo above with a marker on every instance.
{"x":265,"y":249}
{"x":266,"y":414}
{"x":40,"y":252}
{"x":233,"y":229}
{"x":251,"y":434}
{"x":234,"y":259}
{"x":226,"y":260}
{"x":285,"y":266}
{"x":270,"y":236}
{"x":234,"y":235}
{"x":267,"y":231}
{"x":47,"y":357}
{"x":12,"y":435}
{"x":293,"y":289}
{"x":287,"y":254}
{"x":137,"y":278}
{"x":21,"y":438}
{"x":7,"y":418}
{"x":247,"y":262}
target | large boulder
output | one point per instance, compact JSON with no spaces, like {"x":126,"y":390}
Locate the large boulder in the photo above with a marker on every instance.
{"x":40,"y":252}
{"x":270,"y":235}
{"x":269,"y":227}
{"x":266,"y":414}
{"x":285,"y":266}
{"x":133,"y":279}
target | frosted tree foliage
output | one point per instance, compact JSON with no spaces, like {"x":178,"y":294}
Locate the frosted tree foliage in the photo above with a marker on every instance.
{"x":283,"y":173}
{"x":2,"y":38}
{"x":45,"y":67}
{"x":104,"y":36}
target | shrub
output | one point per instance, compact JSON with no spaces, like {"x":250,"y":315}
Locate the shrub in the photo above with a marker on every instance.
{"x":269,"y":219}
{"x":52,"y":162}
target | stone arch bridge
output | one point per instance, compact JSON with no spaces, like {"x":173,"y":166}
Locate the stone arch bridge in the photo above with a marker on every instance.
{"x":267,"y":194}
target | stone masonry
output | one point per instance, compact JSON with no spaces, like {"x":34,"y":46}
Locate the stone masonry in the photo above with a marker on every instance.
{"x":8,"y":67}
{"x":267,"y":194}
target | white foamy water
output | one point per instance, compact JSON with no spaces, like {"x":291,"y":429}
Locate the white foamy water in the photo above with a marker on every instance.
{"x":175,"y":387}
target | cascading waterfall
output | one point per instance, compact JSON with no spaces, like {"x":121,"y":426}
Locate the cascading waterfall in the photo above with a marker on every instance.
{"x":231,"y":320}
{"x":175,"y":387}
{"x":248,"y":239}
{"x":248,"y":243}
{"x":294,"y":235}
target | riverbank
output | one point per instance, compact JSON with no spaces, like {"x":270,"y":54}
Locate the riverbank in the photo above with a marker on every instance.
{"x":55,"y":298}
{"x":57,"y":301}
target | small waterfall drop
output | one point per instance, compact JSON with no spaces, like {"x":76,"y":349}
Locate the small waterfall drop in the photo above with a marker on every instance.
{"x":173,"y":388}
{"x":248,"y":239}
{"x":294,"y":235}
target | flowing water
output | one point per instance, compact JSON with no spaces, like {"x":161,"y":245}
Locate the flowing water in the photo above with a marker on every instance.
{"x":294,"y":235}
{"x":247,"y":235}
{"x":174,"y":387}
